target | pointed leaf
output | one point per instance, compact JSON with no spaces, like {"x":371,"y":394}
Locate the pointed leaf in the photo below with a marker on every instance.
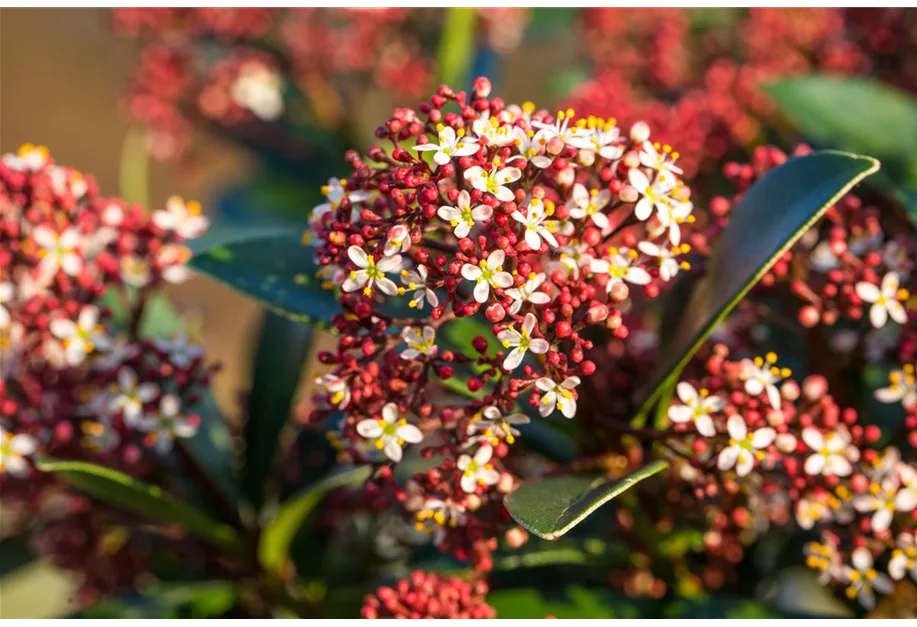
{"x":772,"y":215}
{"x":278,"y":534}
{"x":283,"y":347}
{"x":119,"y":489}
{"x":551,"y":507}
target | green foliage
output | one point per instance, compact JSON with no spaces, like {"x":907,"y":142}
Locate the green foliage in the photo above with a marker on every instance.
{"x":859,"y":115}
{"x":283,"y":347}
{"x":551,"y":507}
{"x":133,"y":175}
{"x":456,"y":46}
{"x":148,"y":500}
{"x":205,"y":599}
{"x":15,"y":553}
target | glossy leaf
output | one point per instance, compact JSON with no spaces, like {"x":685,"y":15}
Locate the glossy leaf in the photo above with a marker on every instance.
{"x":551,"y":507}
{"x":282,"y":349}
{"x":772,"y":215}
{"x":15,"y":552}
{"x":148,"y":500}
{"x":278,"y":534}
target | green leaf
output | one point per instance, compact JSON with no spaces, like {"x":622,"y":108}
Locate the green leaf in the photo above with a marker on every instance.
{"x":15,"y":552}
{"x":456,"y":46}
{"x":283,"y":347}
{"x":278,"y":534}
{"x":772,"y":215}
{"x":269,"y":264}
{"x":551,"y":507}
{"x":203,"y":599}
{"x":148,"y":500}
{"x":861,"y":115}
{"x":133,"y":174}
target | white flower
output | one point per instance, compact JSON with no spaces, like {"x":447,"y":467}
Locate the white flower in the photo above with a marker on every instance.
{"x":129,"y":398}
{"x":171,"y":260}
{"x":370,"y":273}
{"x":184,"y":219}
{"x":528,"y":291}
{"x":762,"y":376}
{"x":397,"y":240}
{"x":521,"y":341}
{"x":863,"y":578}
{"x":743,"y":448}
{"x":665,"y":160}
{"x":589,"y":204}
{"x":830,"y":457}
{"x":100,"y":436}
{"x":58,"y":251}
{"x":495,"y":426}
{"x":477,"y":470}
{"x":463,"y":217}
{"x":886,"y":300}
{"x":13,"y":451}
{"x":7,"y":292}
{"x":536,"y":229}
{"x":419,"y":341}
{"x":178,"y":351}
{"x":884,"y":499}
{"x":259,"y":89}
{"x":390,"y":432}
{"x":28,"y":158}
{"x":668,"y":264}
{"x":904,"y":557}
{"x":532,"y":146}
{"x":560,"y":127}
{"x":335,"y":191}
{"x":135,"y":270}
{"x":488,"y":273}
{"x":619,"y":269}
{"x":573,"y":257}
{"x":333,"y":392}
{"x":657,"y":195}
{"x":416,"y":281}
{"x":812,"y":510}
{"x":671,"y":216}
{"x":600,"y":136}
{"x":81,"y":337}
{"x":167,"y":424}
{"x":119,"y":351}
{"x":557,"y":395}
{"x":902,"y":387}
{"x":491,"y":131}
{"x":824,"y":557}
{"x":698,"y":406}
{"x":495,"y":181}
{"x":451,"y":144}
{"x":442,"y":513}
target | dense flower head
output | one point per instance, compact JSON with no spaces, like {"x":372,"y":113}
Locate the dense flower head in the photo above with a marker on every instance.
{"x":473,"y":250}
{"x":428,"y":595}
{"x":77,"y":381}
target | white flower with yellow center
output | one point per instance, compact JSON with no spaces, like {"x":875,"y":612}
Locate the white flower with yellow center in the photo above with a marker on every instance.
{"x":171,"y":260}
{"x":369,"y":273}
{"x":528,"y":292}
{"x":884,"y":499}
{"x":656,"y":195}
{"x":463,"y":216}
{"x":762,"y":376}
{"x":488,"y":273}
{"x":573,"y":257}
{"x":532,"y":146}
{"x":600,"y":136}
{"x":82,"y":337}
{"x":589,"y":204}
{"x":184,"y":219}
{"x":491,"y":131}
{"x":904,"y":557}
{"x":494,"y":181}
{"x":335,"y":191}
{"x":902,"y":387}
{"x":397,"y":240}
{"x":333,"y":391}
{"x":672,"y":215}
{"x":619,"y":267}
{"x":659,"y":157}
{"x":259,"y":89}
{"x":823,"y":557}
{"x":451,"y":144}
{"x":886,"y":300}
{"x":521,"y":341}
{"x":744,"y":448}
{"x":810,"y":511}
{"x":14,"y":449}
{"x":666,"y":258}
{"x":561,"y":127}
{"x":492,"y":426}
{"x":419,"y":341}
{"x":536,"y":223}
{"x":831,"y":452}
{"x":390,"y":432}
{"x":167,"y":424}
{"x":478,"y":470}
{"x":557,"y":396}
{"x":29,"y":158}
{"x":698,"y":407}
{"x":863,"y":579}
{"x":129,"y":398}
{"x":416,"y":281}
{"x":58,"y":251}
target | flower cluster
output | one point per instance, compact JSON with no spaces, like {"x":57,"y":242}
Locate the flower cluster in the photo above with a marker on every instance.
{"x":241,"y":69}
{"x":427,"y":595}
{"x":472,"y":253}
{"x":76,"y":380}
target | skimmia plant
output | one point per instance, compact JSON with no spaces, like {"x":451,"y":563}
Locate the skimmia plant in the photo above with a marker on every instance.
{"x":640,"y":354}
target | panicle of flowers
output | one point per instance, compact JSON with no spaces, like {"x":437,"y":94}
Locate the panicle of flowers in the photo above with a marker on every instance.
{"x":519,"y":229}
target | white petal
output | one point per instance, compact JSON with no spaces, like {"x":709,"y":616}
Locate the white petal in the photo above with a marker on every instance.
{"x":906,"y":500}
{"x":390,"y":412}
{"x":502,"y":279}
{"x":63,"y":328}
{"x":392,"y":450}
{"x":23,"y":444}
{"x":896,"y":311}
{"x":481,"y":291}
{"x":686,"y":392}
{"x":813,"y":438}
{"x":861,"y":559}
{"x":387,"y":286}
{"x":705,"y":426}
{"x":815,"y":464}
{"x":471,"y":272}
{"x":496,"y":259}
{"x":539,"y":346}
{"x":389,"y":264}
{"x":358,"y":256}
{"x":867,"y":291}
{"x":528,"y":324}
{"x":890,"y":285}
{"x":878,"y":316}
{"x":513,"y":359}
{"x":837,"y":465}
{"x":680,"y":413}
{"x":532,"y":239}
{"x":736,"y":427}
{"x":754,"y":386}
{"x":727,"y":458}
{"x":638,"y":179}
{"x":745,"y":463}
{"x":762,"y":438}
{"x":410,"y":433}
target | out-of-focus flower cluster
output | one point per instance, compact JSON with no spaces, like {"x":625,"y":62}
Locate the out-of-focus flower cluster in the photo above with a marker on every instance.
{"x":697,"y":77}
{"x":427,"y":595}
{"x":249,"y":67}
{"x":473,"y":252}
{"x":74,"y":383}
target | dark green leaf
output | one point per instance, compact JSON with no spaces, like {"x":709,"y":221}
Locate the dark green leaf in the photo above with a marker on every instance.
{"x":283,"y":347}
{"x":456,"y":46}
{"x":271,"y":198}
{"x":119,"y":489}
{"x":772,"y":215}
{"x":278,"y":534}
{"x":551,"y":507}
{"x":14,"y":554}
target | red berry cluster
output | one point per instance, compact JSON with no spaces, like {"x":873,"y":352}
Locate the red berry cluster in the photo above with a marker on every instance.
{"x":428,"y":595}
